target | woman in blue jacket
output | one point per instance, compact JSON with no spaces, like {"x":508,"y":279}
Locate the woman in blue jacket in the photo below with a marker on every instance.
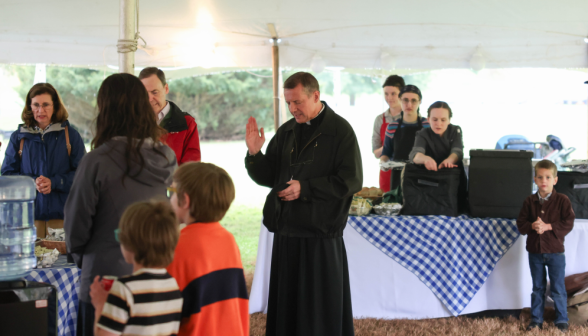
{"x":48,"y":150}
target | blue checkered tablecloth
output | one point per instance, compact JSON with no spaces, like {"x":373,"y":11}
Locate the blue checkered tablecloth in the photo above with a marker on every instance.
{"x":66,"y":278}
{"x":453,"y":256}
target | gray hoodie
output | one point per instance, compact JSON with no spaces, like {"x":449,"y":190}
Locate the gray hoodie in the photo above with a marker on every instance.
{"x":98,"y":199}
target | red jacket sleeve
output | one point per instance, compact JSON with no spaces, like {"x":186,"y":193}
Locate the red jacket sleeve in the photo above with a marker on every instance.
{"x":191,"y":144}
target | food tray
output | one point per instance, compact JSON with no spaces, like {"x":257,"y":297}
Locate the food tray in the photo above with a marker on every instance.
{"x":59,"y":245}
{"x":387,"y":209}
{"x":392,"y":164}
{"x":359,"y":211}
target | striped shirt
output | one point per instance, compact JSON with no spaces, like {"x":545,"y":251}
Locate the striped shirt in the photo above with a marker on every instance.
{"x":207,"y":265}
{"x":148,"y":302}
{"x":376,"y":138}
{"x":388,"y":149}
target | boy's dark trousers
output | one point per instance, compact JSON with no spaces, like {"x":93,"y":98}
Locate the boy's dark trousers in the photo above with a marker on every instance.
{"x":556,"y":267}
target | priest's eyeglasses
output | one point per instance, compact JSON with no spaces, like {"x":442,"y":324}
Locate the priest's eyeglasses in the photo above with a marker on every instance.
{"x":298,"y":164}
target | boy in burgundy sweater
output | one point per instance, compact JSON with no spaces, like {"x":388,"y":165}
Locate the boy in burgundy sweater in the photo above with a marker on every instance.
{"x":547,"y":217}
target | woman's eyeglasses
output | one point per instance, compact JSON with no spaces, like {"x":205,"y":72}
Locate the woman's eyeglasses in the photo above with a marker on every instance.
{"x":44,"y":106}
{"x":409,"y":101}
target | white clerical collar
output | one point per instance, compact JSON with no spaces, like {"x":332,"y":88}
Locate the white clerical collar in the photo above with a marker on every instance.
{"x":321,"y":111}
{"x":543,"y":199}
{"x":163,"y":112}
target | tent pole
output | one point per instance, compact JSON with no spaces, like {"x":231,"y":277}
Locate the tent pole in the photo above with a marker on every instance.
{"x":283,"y":111}
{"x":126,"y":33}
{"x":276,"y":78}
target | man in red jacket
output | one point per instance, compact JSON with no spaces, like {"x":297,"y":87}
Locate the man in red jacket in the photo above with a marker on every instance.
{"x":182,"y":130}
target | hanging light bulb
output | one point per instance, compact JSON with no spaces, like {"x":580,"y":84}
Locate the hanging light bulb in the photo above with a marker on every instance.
{"x":317,"y":64}
{"x":477,"y":62}
{"x":387,"y":61}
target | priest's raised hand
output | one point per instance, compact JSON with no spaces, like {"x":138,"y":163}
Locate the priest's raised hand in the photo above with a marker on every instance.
{"x":253,"y":139}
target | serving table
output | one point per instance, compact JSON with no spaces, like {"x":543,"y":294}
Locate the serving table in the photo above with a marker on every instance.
{"x":66,"y":279}
{"x":386,"y":283}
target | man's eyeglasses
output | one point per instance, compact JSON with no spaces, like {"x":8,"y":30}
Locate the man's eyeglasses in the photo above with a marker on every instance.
{"x":116,"y":233}
{"x":171,"y":191}
{"x":44,"y":106}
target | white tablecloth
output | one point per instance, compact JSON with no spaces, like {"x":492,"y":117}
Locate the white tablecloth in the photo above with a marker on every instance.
{"x":381,"y":288}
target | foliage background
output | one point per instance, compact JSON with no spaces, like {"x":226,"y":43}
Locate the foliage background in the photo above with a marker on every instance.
{"x":220,"y":103}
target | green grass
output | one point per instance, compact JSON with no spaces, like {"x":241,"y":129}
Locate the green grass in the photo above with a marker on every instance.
{"x":244,"y":222}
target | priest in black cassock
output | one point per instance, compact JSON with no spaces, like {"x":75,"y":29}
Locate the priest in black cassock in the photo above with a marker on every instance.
{"x":313,"y":166}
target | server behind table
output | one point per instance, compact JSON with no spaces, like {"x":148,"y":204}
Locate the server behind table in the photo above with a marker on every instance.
{"x":438,"y":147}
{"x":391,"y":87}
{"x":400,"y":135}
{"x":441,"y":145}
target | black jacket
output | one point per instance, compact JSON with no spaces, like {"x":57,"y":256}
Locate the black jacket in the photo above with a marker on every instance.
{"x":329,"y":170}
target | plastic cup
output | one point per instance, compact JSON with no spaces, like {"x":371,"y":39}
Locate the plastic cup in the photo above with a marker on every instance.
{"x":107,"y":281}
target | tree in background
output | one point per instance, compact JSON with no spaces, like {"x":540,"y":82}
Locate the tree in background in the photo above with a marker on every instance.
{"x":420,"y":79}
{"x":354,"y":85}
{"x":222,"y":103}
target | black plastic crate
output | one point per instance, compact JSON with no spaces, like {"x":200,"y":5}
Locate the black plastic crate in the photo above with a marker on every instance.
{"x":499,"y":182}
{"x":575,"y":186}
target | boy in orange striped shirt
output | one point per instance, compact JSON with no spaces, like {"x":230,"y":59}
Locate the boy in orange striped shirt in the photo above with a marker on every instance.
{"x":207,"y":263}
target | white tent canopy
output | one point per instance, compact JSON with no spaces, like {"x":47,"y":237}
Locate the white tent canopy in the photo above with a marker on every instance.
{"x":369,"y":34}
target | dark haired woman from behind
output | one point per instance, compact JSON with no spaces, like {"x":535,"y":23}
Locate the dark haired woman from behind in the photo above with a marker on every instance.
{"x":128,"y":164}
{"x":47,"y":149}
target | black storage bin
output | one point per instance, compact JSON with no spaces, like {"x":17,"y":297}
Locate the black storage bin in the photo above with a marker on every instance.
{"x":429,"y":192}
{"x":499,"y":182}
{"x":28,"y":308}
{"x":575,"y":186}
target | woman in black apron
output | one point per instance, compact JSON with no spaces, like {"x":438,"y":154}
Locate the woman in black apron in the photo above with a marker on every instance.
{"x":441,"y":146}
{"x":400,"y":135}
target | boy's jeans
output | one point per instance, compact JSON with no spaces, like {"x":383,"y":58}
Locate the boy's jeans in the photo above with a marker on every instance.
{"x":556,"y":266}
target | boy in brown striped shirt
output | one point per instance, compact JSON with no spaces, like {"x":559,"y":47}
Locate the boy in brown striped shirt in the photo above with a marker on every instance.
{"x":147,"y":302}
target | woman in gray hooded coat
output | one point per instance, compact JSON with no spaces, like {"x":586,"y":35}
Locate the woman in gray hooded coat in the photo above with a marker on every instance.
{"x":128,"y":164}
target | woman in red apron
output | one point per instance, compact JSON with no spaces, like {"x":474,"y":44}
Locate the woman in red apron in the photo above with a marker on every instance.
{"x":384,"y":175}
{"x":392,"y":87}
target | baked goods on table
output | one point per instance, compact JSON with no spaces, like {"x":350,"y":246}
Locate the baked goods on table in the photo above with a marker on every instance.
{"x":370,"y":192}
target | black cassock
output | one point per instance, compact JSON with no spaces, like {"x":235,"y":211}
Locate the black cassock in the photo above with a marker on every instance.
{"x":309,"y":281}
